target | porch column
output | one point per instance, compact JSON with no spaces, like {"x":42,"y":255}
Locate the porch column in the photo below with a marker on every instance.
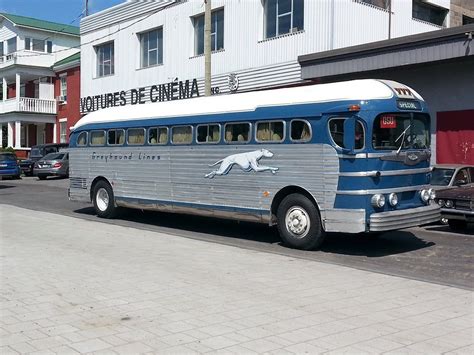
{"x":17,"y":91}
{"x":17,"y":134}
{"x":55,"y":133}
{"x":10,"y":134}
{"x":4,"y":89}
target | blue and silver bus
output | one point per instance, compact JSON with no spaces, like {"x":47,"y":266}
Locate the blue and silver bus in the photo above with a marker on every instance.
{"x":343,"y":157}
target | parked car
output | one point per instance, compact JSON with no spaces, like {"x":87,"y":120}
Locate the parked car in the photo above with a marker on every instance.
{"x":9,"y":166}
{"x":445,"y":176}
{"x":53,"y":164}
{"x":36,"y":153}
{"x":457,"y":206}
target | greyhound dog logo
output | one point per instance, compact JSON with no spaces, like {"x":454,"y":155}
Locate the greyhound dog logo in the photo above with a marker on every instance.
{"x":247,"y":162}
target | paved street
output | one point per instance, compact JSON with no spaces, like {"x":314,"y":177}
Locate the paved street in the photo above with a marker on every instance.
{"x":435,"y":254}
{"x":72,"y":285}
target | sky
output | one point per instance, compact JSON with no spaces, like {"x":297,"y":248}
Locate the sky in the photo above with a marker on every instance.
{"x":62,"y":11}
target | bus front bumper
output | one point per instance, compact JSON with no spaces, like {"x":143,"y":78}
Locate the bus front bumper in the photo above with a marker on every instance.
{"x":412,"y":217}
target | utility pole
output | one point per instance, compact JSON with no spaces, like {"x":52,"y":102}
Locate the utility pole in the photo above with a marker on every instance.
{"x":389,"y":19}
{"x":207,"y":48}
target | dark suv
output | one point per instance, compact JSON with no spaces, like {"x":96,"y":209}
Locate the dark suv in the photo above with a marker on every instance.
{"x":37,"y":152}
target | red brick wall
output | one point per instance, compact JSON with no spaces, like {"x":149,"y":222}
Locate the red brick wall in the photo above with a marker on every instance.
{"x":69,"y":110}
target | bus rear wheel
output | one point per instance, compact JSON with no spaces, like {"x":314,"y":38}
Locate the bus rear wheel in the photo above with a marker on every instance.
{"x":104,"y":201}
{"x":299,"y":223}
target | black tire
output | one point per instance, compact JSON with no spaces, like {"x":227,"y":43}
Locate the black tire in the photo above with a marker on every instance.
{"x":304,"y":236}
{"x":42,"y":177}
{"x":17,"y":177}
{"x":456,"y":224}
{"x":104,"y":200}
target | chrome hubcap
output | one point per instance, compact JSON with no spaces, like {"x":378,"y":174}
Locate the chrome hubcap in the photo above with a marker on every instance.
{"x":297,"y":222}
{"x":102,"y":199}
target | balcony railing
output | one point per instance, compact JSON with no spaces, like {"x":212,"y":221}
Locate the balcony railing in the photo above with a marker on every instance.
{"x":28,"y":104}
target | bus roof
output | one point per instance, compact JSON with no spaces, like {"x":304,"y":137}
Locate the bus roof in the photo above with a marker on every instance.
{"x":365,"y":89}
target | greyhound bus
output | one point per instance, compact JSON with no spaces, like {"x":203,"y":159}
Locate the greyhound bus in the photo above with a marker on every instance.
{"x":343,"y":157}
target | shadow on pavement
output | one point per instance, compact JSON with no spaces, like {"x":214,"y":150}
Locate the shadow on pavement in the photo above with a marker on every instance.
{"x":6,"y":186}
{"x":442,"y":228}
{"x":336,"y":243}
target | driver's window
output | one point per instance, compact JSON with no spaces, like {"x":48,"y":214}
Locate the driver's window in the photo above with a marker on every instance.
{"x":336,"y":128}
{"x":461,"y":177}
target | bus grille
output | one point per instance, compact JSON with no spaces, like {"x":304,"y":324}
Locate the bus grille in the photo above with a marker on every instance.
{"x":77,"y":183}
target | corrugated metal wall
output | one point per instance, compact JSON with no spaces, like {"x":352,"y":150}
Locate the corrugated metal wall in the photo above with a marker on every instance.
{"x":259,"y":62}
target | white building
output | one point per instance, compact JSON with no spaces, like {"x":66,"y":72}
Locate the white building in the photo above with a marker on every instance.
{"x":130,"y":50}
{"x":28,"y":50}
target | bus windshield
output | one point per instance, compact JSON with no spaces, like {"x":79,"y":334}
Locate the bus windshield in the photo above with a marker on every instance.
{"x":401,"y":131}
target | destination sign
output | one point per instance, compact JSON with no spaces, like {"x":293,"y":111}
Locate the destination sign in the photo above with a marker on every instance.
{"x":408,"y":105}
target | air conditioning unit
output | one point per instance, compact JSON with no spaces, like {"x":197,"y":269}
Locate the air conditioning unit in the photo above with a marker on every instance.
{"x":61,"y":99}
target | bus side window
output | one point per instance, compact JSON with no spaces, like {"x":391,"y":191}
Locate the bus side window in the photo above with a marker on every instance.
{"x":181,"y":134}
{"x":97,"y":138}
{"x":270,"y":131}
{"x":336,"y":128}
{"x":237,"y":132}
{"x":208,"y":133}
{"x":82,"y":139}
{"x":115,"y":137}
{"x":158,"y":135}
{"x":136,"y":136}
{"x":300,"y":131}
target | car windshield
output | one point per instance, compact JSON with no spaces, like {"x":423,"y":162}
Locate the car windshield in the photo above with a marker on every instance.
{"x":35,"y":152}
{"x":54,"y":156}
{"x":441,"y":176}
{"x":7,"y":157}
{"x":394,"y":131}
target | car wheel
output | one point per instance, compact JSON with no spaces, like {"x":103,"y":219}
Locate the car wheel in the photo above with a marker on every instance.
{"x":42,"y":177}
{"x":103,"y":200}
{"x":299,"y":223}
{"x":456,"y":224}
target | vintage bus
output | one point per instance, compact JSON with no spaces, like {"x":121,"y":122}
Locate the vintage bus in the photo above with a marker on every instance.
{"x":343,"y":157}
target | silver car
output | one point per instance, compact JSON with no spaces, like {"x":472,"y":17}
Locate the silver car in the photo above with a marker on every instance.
{"x":53,"y":164}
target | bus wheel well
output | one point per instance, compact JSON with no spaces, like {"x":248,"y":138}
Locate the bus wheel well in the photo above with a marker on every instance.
{"x":96,"y":180}
{"x":288,"y":190}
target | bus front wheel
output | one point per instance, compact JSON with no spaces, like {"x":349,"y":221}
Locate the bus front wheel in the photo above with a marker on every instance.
{"x":103,"y":199}
{"x":299,"y":223}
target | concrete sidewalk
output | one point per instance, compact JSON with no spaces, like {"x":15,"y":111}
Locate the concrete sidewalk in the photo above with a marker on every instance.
{"x":75,"y":286}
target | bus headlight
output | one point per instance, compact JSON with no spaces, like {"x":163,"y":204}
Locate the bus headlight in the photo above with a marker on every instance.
{"x":378,"y":200}
{"x":449,"y":203}
{"x":393,"y":199}
{"x":425,"y":195}
{"x":432,"y":193}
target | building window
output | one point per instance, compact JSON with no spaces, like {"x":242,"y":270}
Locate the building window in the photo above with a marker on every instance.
{"x":63,"y":87}
{"x":38,"y":45}
{"x":63,"y":131}
{"x":11,"y":45}
{"x":1,"y":49}
{"x":151,"y":48}
{"x":429,"y":13}
{"x":283,"y":16}
{"x":105,"y":59}
{"x":466,"y":20}
{"x":217,"y":32}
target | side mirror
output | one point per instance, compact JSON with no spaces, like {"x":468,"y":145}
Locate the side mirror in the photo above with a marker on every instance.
{"x":349,"y":135}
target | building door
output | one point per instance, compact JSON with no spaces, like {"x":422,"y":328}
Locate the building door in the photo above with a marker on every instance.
{"x":455,"y":137}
